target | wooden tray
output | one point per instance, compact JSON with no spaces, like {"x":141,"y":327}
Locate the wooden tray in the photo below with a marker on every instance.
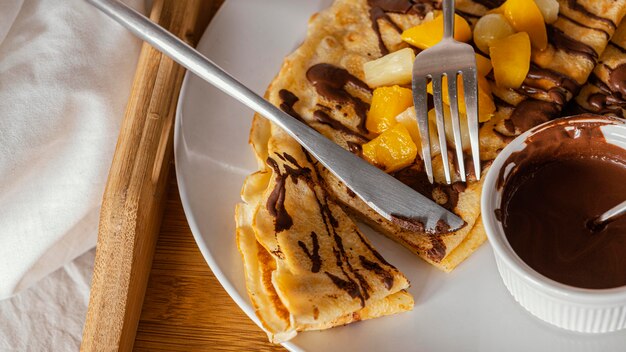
{"x":186,"y":308}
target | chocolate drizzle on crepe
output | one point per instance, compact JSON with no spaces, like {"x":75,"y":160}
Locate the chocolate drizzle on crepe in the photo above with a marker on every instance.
{"x":330,"y":82}
{"x":386,"y":276}
{"x":417,"y":179}
{"x":562,"y":41}
{"x":314,"y":253}
{"x":611,"y":98}
{"x":607,"y":35}
{"x":574,"y":5}
{"x":531,"y":113}
{"x":379,"y":10}
{"x":288,"y":101}
{"x":325,"y":119}
{"x":351,"y":280}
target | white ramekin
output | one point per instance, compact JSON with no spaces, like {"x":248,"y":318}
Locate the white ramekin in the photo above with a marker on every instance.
{"x":568,"y":307}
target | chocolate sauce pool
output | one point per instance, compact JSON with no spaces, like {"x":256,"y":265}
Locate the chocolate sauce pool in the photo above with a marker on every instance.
{"x":566,"y":176}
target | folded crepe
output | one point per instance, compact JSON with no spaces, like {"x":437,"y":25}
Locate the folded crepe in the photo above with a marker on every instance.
{"x":307,"y":265}
{"x":605,"y":90}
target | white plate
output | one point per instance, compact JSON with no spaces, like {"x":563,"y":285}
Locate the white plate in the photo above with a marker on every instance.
{"x":466,"y":310}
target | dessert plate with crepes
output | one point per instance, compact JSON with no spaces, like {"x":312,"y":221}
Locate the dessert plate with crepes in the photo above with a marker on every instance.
{"x":297,"y":255}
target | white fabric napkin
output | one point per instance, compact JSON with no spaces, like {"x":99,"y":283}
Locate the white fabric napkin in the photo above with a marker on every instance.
{"x":65,"y":77}
{"x":49,"y":316}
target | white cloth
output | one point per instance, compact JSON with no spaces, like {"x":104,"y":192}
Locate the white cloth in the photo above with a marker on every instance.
{"x":65,"y":77}
{"x":49,"y":316}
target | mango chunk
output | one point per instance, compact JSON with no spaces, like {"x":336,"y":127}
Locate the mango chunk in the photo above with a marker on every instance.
{"x":483,"y":65}
{"x":387,"y":102}
{"x":486,"y":106}
{"x":429,"y":33}
{"x":511,"y":60}
{"x":408,"y":119}
{"x":392,"y":150}
{"x":525,"y":16}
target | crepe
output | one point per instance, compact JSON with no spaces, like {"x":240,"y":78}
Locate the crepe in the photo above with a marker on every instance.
{"x":576,"y":40}
{"x":321,"y":84}
{"x":605,"y":93}
{"x":308,"y":266}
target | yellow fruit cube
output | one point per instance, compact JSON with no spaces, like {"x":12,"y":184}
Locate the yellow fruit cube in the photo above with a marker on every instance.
{"x":525,"y":16}
{"x":387,"y":102}
{"x":408,"y":119}
{"x":511,"y":60}
{"x":392,"y":150}
{"x":486,"y":106}
{"x":430,"y":33}
{"x":483,"y":65}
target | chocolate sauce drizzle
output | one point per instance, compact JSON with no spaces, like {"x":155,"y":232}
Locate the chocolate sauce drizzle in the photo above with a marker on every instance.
{"x":438,"y":249}
{"x":351,"y":280}
{"x":288,"y":101}
{"x":564,"y":87}
{"x":276,"y":200}
{"x":611,"y":99}
{"x":379,"y":10}
{"x":416,"y":178}
{"x":562,"y":41}
{"x":531,"y":113}
{"x":606,"y":34}
{"x":325,"y":119}
{"x":314,"y":255}
{"x":330,"y":82}
{"x":574,"y":5}
{"x":386,"y":276}
{"x":355,"y":148}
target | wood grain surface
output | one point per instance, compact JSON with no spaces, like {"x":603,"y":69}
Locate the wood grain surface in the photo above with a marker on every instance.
{"x":133,"y":201}
{"x":185,"y":307}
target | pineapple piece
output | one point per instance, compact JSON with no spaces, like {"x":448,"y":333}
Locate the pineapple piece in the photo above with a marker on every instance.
{"x":486,"y":106}
{"x":409,"y":120}
{"x":525,"y":16}
{"x":392,"y":150}
{"x":387,"y":102}
{"x":549,"y":10}
{"x":511,"y":60}
{"x":491,"y":27}
{"x":394,"y":68}
{"x":483,"y":65}
{"x":429,"y":33}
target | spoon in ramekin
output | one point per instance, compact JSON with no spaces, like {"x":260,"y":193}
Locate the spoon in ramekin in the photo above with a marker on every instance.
{"x":600,"y":222}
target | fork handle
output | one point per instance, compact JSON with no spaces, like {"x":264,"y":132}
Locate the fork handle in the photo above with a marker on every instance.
{"x":448,"y":19}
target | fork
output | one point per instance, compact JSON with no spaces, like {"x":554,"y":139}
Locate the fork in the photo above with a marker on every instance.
{"x":447,"y":58}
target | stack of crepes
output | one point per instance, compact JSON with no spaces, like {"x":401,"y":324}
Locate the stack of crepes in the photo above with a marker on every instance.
{"x":307,"y":264}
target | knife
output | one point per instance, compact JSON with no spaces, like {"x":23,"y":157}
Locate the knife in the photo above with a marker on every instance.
{"x":389,"y":197}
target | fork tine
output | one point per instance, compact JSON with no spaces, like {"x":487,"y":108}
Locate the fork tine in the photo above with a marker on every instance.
{"x":421,"y":113}
{"x":441,"y":128}
{"x":456,"y":126}
{"x":471,"y":104}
